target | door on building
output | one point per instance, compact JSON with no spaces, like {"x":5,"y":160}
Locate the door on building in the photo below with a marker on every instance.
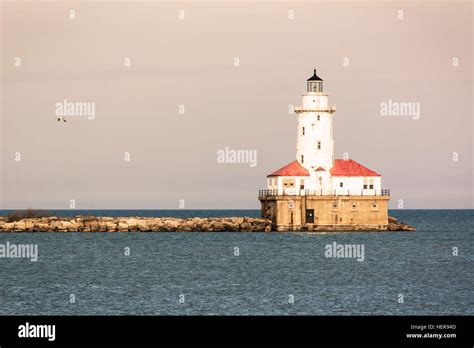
{"x":310,"y":216}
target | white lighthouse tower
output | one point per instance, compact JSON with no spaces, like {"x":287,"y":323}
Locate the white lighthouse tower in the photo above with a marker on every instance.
{"x":315,"y":142}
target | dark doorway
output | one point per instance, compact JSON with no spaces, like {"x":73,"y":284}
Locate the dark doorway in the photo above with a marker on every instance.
{"x":310,"y":216}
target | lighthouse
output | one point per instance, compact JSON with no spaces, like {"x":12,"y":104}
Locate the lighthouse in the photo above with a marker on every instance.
{"x":316,"y":191}
{"x":315,"y":141}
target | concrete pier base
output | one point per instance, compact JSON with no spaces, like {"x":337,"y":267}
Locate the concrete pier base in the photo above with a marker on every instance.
{"x":325,"y":213}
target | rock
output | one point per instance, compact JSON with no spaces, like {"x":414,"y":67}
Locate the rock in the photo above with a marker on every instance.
{"x":64,"y":224}
{"x":238,"y":220}
{"x":41,"y":226}
{"x":19,"y":226}
{"x":155,"y":224}
{"x":93,"y":224}
{"x":405,"y":227}
{"x":391,"y":219}
{"x":245,"y":226}
{"x":72,"y":226}
{"x":217,"y":226}
{"x":102,"y":227}
{"x":392,"y":226}
{"x":171,"y":224}
{"x":123,"y":227}
{"x":143,"y":227}
{"x":9,"y":226}
{"x":399,"y":226}
{"x":132,"y":224}
{"x":111,"y":226}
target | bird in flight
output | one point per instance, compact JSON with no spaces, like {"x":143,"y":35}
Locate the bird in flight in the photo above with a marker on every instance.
{"x":61,"y":118}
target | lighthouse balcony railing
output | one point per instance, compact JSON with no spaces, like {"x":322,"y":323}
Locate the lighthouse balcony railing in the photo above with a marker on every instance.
{"x":315,"y":109}
{"x":335,"y":192}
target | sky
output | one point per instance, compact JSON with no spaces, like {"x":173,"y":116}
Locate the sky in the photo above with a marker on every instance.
{"x":172,"y":84}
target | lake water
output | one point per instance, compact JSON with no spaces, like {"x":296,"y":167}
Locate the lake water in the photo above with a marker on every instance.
{"x":269,"y":270}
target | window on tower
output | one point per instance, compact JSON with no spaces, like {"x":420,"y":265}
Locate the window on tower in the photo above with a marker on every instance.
{"x":319,"y":118}
{"x":319,"y":145}
{"x":341,"y":184}
{"x":302,"y":131}
{"x":302,"y":159}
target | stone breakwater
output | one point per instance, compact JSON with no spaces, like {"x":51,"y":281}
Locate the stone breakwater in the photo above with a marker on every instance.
{"x":135,"y":224}
{"x":148,"y":224}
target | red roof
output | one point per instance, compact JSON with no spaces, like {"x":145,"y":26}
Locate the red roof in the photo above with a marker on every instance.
{"x":292,"y":169}
{"x":320,"y":169}
{"x":350,"y":168}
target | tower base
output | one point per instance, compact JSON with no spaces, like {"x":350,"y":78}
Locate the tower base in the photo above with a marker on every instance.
{"x":325,"y":213}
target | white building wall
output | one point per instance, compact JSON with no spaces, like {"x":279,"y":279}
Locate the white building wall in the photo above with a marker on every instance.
{"x":354,"y":185}
{"x":378,"y":183}
{"x":323,"y":183}
{"x":276,"y":183}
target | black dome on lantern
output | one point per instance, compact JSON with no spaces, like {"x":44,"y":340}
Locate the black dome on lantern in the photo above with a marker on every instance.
{"x":314,"y":77}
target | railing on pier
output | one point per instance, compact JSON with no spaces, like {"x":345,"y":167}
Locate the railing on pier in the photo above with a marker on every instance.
{"x":335,"y":192}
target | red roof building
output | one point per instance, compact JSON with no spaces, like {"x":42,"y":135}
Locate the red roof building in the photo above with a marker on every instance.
{"x":350,"y":168}
{"x":341,"y":168}
{"x":292,"y":169}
